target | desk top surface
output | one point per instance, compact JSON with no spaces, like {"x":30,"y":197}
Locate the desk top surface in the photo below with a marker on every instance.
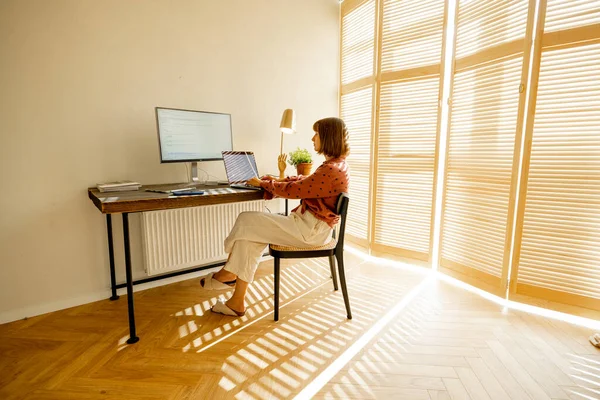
{"x":140,"y":200}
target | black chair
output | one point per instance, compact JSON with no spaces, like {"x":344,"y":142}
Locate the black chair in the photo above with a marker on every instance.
{"x":335,"y":248}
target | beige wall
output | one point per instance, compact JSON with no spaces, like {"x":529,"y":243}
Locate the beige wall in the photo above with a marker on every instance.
{"x":79,"y":81}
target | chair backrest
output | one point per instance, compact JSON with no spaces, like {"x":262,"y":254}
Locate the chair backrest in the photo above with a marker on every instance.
{"x":342,"y":211}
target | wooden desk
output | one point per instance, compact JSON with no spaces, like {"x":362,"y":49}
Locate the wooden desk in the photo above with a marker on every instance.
{"x":138,"y":201}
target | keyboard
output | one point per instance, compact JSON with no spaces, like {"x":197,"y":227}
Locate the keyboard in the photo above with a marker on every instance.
{"x":244,"y":186}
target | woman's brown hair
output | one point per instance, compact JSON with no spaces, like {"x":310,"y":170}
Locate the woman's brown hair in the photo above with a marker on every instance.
{"x":334,"y":137}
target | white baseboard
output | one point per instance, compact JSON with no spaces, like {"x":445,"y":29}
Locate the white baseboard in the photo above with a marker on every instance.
{"x":33,"y":311}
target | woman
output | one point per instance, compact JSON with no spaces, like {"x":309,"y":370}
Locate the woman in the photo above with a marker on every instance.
{"x":309,"y":224}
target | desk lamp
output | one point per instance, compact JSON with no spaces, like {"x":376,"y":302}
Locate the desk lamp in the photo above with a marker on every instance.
{"x":288,"y":126}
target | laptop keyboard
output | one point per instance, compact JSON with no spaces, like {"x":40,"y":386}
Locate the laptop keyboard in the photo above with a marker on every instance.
{"x":244,"y":186}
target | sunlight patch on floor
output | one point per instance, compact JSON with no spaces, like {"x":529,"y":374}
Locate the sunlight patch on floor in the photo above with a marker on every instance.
{"x":508,"y":304}
{"x":317,"y":384}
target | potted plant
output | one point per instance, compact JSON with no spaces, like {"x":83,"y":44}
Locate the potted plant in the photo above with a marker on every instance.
{"x":302,"y":160}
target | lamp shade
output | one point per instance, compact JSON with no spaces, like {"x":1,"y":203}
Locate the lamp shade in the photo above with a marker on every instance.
{"x":288,"y":121}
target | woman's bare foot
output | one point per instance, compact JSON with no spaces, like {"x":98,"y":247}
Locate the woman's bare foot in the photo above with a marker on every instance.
{"x":225,"y":276}
{"x":235,"y":306}
{"x":237,"y":302}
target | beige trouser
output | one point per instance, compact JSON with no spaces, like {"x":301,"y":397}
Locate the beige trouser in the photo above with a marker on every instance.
{"x":253,"y":231}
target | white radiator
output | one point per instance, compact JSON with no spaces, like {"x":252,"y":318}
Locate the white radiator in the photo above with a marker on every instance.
{"x":188,"y":237}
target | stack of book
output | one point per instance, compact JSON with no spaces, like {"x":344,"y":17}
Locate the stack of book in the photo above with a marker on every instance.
{"x":120,"y":186}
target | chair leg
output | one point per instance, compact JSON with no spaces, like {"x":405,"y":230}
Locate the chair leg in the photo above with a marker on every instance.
{"x":340,"y":260}
{"x":333,"y":272}
{"x":276,"y":288}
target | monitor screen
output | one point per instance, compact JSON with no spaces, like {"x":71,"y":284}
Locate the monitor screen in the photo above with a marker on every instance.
{"x":185,"y":135}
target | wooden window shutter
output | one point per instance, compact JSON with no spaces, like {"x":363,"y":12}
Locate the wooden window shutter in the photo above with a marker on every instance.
{"x":356,"y":107}
{"x":356,"y":113}
{"x":486,"y":106}
{"x":411,"y":51}
{"x":358,"y":41}
{"x":557,"y":256}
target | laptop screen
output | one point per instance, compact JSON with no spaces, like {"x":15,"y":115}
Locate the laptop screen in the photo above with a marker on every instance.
{"x":240,"y":166}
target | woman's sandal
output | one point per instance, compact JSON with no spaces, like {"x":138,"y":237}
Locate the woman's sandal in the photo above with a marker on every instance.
{"x":211,"y":283}
{"x":595,"y":340}
{"x":222,"y":308}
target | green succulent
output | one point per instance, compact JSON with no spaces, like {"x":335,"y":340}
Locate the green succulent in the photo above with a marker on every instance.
{"x":299,"y":156}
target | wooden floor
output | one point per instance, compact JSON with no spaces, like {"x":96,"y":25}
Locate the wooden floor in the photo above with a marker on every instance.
{"x":412,"y":337}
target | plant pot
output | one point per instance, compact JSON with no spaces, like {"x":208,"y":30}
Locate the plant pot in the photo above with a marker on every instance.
{"x":304,"y":168}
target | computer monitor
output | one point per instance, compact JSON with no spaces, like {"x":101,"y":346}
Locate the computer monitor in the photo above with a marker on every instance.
{"x":192,"y":136}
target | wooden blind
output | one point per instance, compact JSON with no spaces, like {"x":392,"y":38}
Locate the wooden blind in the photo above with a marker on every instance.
{"x":485,"y":108}
{"x":558,"y":249}
{"x":358,"y":43}
{"x":412,"y":34}
{"x":356,"y":107}
{"x":489,"y":24}
{"x":564,"y":14}
{"x":356,"y":112}
{"x":411,"y":52}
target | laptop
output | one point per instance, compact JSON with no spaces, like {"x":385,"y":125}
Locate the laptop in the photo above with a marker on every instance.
{"x":240,"y":166}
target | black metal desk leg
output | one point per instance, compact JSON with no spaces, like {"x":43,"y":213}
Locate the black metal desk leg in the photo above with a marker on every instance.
{"x":286,"y":207}
{"x":111,"y":258}
{"x":132,"y":336}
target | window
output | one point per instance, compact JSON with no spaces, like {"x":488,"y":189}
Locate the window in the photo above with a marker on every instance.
{"x":490,"y":47}
{"x":520,"y":206}
{"x":557,"y":256}
{"x":407,"y":134}
{"x":356,"y":107}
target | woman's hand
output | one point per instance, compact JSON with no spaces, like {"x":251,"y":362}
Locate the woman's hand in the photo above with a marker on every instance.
{"x":254,"y":182}
{"x":268,"y":178}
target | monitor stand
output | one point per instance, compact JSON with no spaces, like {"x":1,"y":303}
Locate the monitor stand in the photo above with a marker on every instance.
{"x":194,"y":173}
{"x":194,"y":180}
